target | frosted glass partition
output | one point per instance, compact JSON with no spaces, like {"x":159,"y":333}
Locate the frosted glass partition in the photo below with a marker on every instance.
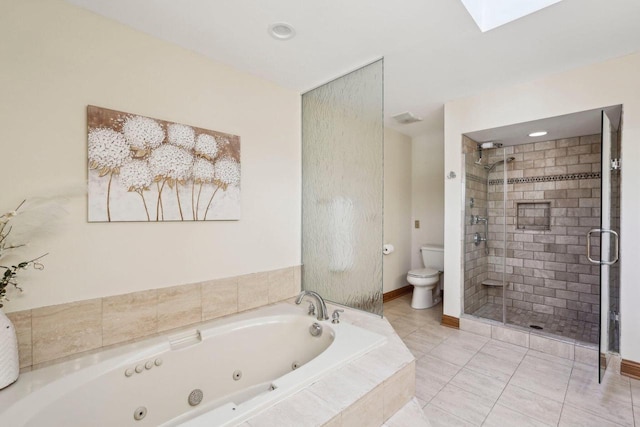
{"x":342,"y":185}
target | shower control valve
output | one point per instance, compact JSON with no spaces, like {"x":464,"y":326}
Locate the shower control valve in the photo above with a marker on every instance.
{"x":477,"y":239}
{"x":476,"y":219}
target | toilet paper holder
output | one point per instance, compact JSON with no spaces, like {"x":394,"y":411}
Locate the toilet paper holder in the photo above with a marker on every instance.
{"x":387,"y":249}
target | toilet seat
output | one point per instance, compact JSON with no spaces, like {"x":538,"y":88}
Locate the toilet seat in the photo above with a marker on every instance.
{"x":423,"y":273}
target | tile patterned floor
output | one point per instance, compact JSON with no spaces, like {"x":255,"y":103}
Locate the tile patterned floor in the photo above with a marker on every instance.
{"x":570,"y":328}
{"x":463,"y":379}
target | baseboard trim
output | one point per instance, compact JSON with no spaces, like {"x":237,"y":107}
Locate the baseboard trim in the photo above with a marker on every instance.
{"x":630,"y":368}
{"x":396,"y":293}
{"x":450,"y":321}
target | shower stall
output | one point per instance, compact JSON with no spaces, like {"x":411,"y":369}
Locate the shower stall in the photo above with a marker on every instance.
{"x":535,"y":213}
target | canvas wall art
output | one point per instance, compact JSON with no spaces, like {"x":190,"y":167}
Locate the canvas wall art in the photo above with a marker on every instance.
{"x":144,"y":169}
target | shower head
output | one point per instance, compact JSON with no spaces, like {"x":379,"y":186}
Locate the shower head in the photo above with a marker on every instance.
{"x":489,"y":144}
{"x":490,"y":167}
{"x":485,"y":146}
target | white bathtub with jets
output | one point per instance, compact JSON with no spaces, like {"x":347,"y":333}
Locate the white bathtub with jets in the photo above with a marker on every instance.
{"x":218,"y":374}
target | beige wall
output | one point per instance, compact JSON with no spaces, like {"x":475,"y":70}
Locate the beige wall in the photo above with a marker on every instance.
{"x":427,"y":192}
{"x":608,"y":83}
{"x":57,"y":59}
{"x":397,"y":209}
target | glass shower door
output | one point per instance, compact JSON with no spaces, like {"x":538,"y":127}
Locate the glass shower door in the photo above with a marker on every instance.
{"x":614,"y":197}
{"x":342,"y":189}
{"x":609,"y":257}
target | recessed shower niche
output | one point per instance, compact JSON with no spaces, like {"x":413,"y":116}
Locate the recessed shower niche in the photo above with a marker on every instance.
{"x":533,"y":215}
{"x":535,"y":208}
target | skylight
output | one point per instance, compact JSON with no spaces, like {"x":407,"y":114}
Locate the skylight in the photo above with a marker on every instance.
{"x":490,"y":14}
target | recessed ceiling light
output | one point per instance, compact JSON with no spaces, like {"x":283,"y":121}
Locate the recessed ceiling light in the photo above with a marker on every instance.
{"x":281,"y":31}
{"x":540,"y":133}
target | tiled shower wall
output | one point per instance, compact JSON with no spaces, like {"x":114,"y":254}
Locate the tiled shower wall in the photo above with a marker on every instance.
{"x":475,"y":258}
{"x":547,"y":270}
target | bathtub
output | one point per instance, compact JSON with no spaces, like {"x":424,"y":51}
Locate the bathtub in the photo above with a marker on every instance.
{"x":218,"y":374}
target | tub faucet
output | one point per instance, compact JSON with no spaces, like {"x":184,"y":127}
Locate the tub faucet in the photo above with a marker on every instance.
{"x":322,"y":307}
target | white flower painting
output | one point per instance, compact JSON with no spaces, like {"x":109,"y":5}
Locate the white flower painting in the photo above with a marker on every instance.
{"x":143,"y":169}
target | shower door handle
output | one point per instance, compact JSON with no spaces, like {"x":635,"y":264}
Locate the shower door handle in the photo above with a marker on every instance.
{"x":616,"y":246}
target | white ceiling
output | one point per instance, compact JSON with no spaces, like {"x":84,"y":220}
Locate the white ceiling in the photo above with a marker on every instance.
{"x":566,"y":126}
{"x":433,"y":50}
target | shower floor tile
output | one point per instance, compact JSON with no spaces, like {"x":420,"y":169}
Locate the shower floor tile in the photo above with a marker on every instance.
{"x":579,"y":330}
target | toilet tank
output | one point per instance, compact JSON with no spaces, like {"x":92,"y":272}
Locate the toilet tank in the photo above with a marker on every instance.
{"x":433,"y":256}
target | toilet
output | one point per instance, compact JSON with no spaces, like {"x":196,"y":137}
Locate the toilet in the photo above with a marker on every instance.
{"x":426,"y":281}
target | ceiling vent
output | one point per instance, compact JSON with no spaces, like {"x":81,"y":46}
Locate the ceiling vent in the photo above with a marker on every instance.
{"x":406,"y":118}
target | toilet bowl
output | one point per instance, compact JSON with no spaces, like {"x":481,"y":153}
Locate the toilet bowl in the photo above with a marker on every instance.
{"x":426,"y":281}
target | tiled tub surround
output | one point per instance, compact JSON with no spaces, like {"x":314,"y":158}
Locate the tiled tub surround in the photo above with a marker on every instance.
{"x":367,"y":392}
{"x":375,"y":389}
{"x":547,"y":271}
{"x":50,"y":333}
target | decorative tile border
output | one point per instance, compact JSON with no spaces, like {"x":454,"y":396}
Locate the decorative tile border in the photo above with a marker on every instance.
{"x":564,"y":177}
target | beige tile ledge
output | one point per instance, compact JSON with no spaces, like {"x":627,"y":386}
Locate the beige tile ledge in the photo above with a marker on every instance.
{"x":56,"y":333}
{"x":367,"y":391}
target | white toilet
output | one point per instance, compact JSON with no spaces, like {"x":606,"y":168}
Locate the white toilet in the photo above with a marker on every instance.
{"x":426,"y":281}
